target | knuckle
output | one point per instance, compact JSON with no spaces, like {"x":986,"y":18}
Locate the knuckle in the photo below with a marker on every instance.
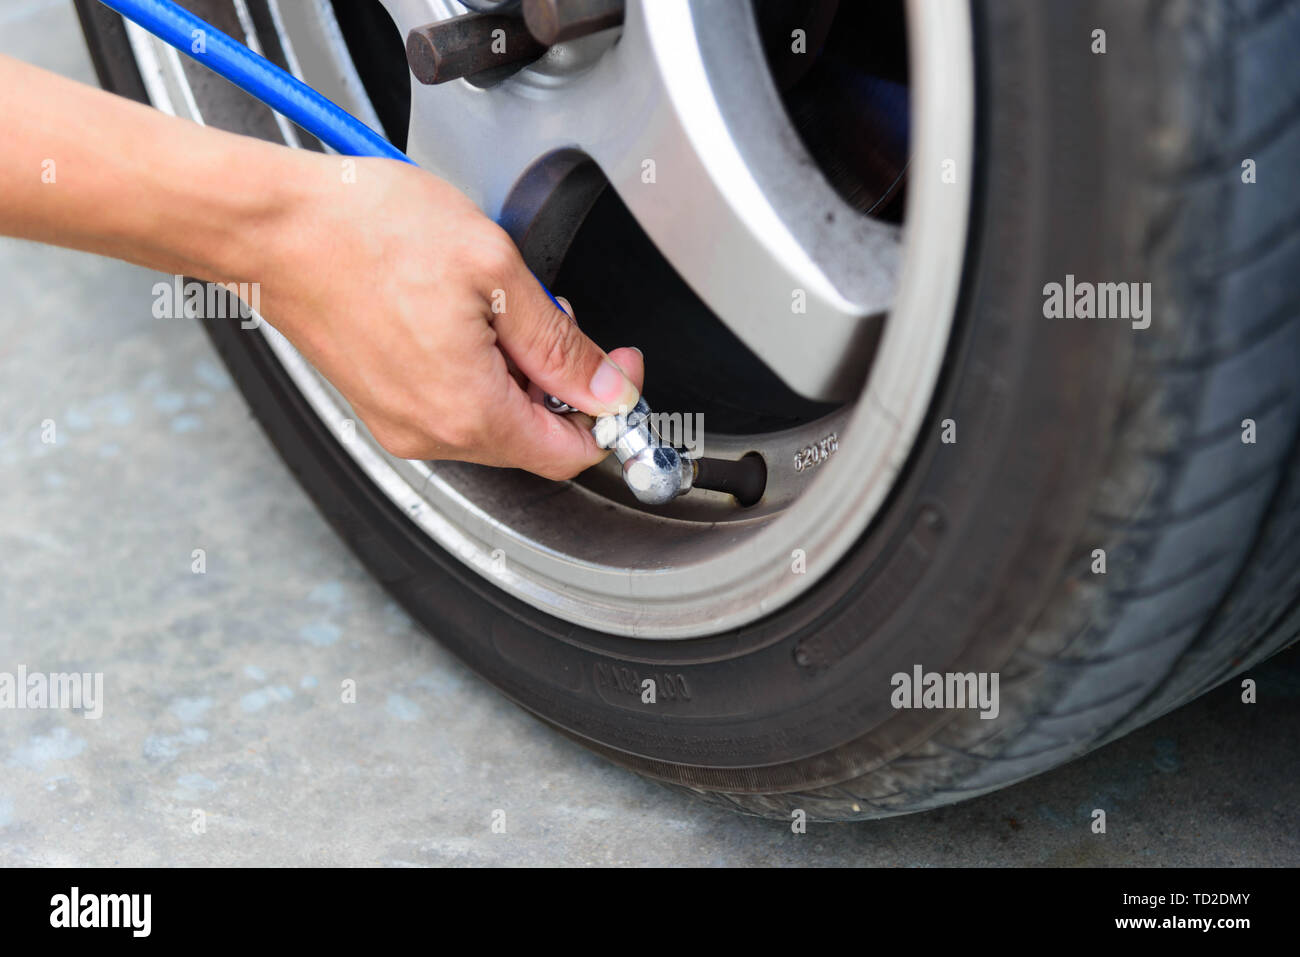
{"x":492,"y":255}
{"x":559,"y":347}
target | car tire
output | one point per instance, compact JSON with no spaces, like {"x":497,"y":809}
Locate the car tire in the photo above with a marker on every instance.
{"x":1106,"y":516}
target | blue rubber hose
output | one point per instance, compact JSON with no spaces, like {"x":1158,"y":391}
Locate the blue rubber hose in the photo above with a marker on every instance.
{"x":257,"y":76}
{"x":260,"y":78}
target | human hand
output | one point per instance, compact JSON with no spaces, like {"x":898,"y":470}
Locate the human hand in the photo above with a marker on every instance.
{"x":409,"y":300}
{"x":422,"y":313}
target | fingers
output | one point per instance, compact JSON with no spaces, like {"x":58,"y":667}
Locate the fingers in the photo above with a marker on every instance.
{"x":549,"y":348}
{"x":560,"y":446}
{"x":532,"y":437}
{"x":557,"y":453}
{"x":632,"y":362}
{"x":627,"y":358}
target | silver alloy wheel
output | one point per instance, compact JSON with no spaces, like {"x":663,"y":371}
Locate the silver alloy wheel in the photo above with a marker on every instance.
{"x":682,"y":84}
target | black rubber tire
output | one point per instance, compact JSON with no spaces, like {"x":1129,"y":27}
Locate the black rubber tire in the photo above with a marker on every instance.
{"x":1072,"y":435}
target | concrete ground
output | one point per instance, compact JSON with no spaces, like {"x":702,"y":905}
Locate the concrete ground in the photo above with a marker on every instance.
{"x":221,"y":702}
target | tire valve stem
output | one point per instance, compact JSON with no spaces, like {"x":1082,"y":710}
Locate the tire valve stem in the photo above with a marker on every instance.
{"x":745,"y":478}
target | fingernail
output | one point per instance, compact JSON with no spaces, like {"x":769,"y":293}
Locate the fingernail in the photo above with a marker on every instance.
{"x":612,"y":388}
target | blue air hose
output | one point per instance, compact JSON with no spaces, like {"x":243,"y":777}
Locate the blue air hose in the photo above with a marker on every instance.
{"x":260,"y":78}
{"x":257,"y":76}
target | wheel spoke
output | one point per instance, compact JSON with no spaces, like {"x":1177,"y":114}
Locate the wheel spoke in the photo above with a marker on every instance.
{"x":733,"y":201}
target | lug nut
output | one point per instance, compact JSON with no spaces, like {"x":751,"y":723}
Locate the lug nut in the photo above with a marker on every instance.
{"x":554,"y":21}
{"x":469,"y":44}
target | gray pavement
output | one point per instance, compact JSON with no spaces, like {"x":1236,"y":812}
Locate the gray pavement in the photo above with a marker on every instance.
{"x":221,"y":701}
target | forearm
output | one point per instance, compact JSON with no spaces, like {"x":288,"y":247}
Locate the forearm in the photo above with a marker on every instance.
{"x":89,"y":170}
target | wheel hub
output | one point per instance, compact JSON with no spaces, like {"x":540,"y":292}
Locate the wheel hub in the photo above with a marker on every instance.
{"x":679,"y":116}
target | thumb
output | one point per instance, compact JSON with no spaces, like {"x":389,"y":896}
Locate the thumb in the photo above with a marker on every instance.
{"x":550,"y":349}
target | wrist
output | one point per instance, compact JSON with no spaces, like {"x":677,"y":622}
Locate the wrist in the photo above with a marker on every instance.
{"x":252,"y":221}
